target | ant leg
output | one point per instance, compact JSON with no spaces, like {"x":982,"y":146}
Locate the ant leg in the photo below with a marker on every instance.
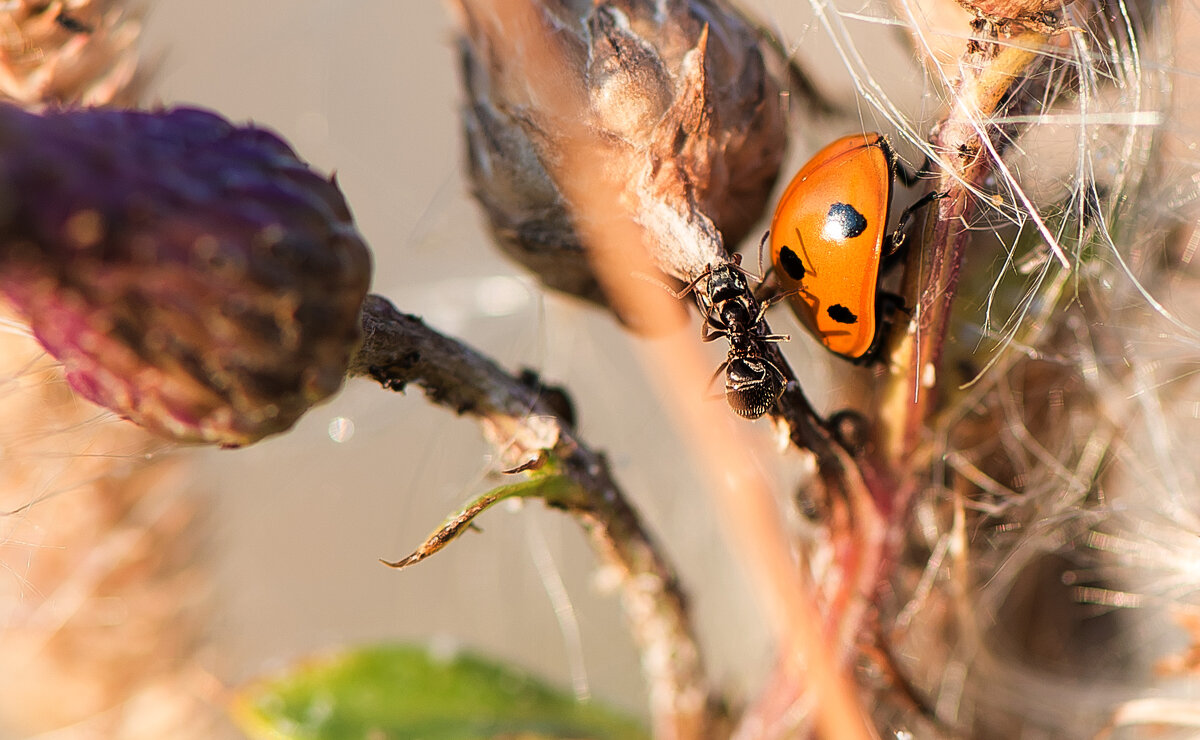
{"x":772,"y":300}
{"x":778,"y":373}
{"x":683,"y":293}
{"x":708,"y":386}
{"x":766,"y":291}
{"x":680,"y":294}
{"x":709,"y":332}
{"x":762,"y":310}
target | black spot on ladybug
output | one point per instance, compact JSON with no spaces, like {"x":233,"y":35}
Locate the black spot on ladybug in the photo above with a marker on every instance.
{"x":791,"y":264}
{"x":841,"y":314}
{"x":843,"y":222}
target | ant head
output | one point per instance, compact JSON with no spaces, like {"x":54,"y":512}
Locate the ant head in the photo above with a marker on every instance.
{"x":727,"y":282}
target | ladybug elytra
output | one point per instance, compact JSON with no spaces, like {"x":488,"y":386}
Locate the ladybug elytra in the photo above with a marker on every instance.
{"x":828,"y":243}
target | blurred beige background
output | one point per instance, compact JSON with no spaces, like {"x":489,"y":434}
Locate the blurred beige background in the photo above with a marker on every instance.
{"x":368,"y":90}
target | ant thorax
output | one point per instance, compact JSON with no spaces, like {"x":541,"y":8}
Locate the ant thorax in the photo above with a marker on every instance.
{"x":752,"y":382}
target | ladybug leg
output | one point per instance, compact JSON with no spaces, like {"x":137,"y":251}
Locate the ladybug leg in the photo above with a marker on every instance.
{"x":887,"y":305}
{"x":890,"y":304}
{"x":851,"y":430}
{"x":909,"y":177}
{"x":920,"y":203}
{"x":899,"y":237}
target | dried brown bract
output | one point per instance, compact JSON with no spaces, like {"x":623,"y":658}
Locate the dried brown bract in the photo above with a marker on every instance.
{"x":681,"y":106}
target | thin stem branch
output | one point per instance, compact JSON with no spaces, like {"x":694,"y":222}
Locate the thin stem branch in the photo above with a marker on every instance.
{"x":629,"y":230}
{"x":523,"y":420}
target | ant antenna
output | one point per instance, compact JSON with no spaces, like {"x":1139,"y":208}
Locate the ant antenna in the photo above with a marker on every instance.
{"x":674,"y":293}
{"x":762,"y":243}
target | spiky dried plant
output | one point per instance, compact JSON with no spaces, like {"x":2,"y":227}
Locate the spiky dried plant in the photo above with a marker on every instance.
{"x":69,"y":53}
{"x":1044,"y":563}
{"x":103,"y":599}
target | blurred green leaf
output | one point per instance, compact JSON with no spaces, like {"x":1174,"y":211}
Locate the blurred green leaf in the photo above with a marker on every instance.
{"x":402,"y":692}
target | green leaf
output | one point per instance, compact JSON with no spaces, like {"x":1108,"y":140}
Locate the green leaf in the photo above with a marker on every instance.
{"x":398,"y":692}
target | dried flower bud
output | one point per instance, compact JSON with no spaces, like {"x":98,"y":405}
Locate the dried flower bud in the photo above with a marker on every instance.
{"x":77,"y":52}
{"x":194,"y":277}
{"x":679,"y":91}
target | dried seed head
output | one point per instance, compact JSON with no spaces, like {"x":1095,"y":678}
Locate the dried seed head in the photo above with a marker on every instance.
{"x":192,"y":276}
{"x":1038,"y":14}
{"x":681,"y":105}
{"x":82,"y":52}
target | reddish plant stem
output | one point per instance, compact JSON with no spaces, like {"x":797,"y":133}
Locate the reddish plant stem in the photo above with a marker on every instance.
{"x":992,"y":75}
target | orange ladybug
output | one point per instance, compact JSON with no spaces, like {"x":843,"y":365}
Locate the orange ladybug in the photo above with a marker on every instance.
{"x":827,"y":243}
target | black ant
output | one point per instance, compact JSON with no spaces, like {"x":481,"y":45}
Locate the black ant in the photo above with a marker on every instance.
{"x":752,"y":382}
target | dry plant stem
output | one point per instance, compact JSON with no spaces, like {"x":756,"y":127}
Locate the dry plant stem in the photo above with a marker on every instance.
{"x":991,"y":72}
{"x":852,"y":512}
{"x":399,"y":349}
{"x":618,"y":245}
{"x":856,"y":534}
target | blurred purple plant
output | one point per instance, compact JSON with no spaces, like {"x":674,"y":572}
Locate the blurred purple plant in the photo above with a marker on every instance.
{"x":192,"y":276}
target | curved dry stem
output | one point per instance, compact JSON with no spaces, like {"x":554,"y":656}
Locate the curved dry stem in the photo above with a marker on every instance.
{"x":523,"y":421}
{"x":628,"y":231}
